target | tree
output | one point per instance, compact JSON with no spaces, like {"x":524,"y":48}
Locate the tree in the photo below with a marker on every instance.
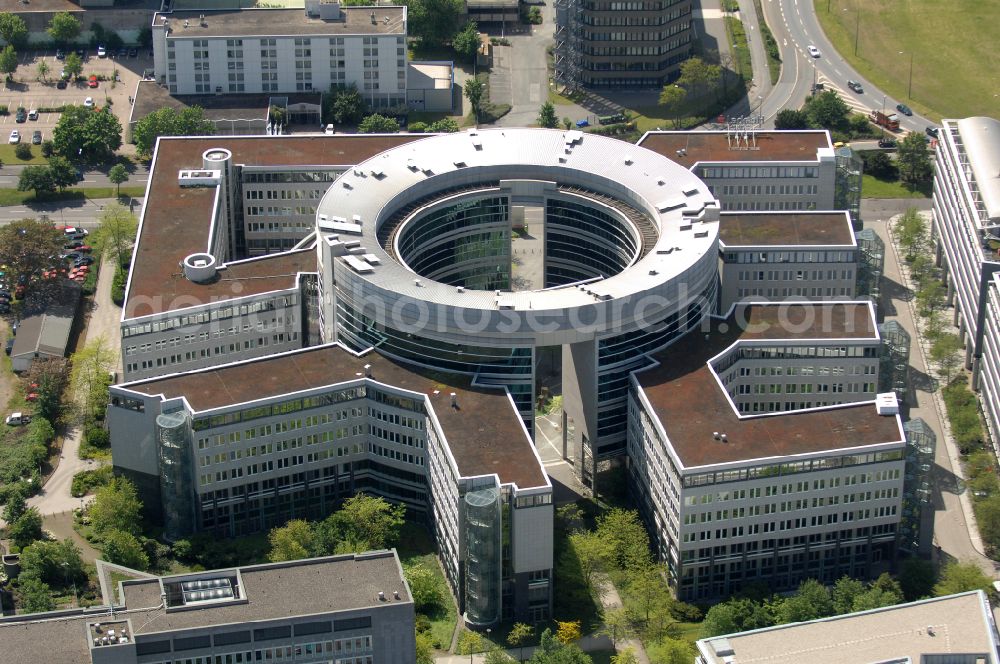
{"x":37,"y":178}
{"x":911,"y":230}
{"x":553,"y":651}
{"x":962,"y":577}
{"x":190,"y":121}
{"x":34,"y":596}
{"x":470,"y":642}
{"x":627,"y":537}
{"x":434,"y":22}
{"x":277,"y":115}
{"x":670,"y":651}
{"x":650,"y":597}
{"x":875,"y":598}
{"x":425,"y":587}
{"x":547,"y":116}
{"x":116,"y":506}
{"x":626,"y":656}
{"x":568,"y":632}
{"x":425,"y":648}
{"x":879,"y":165}
{"x":845,"y":591}
{"x":378,"y":124}
{"x":85,"y":133}
{"x":363,"y":523}
{"x":737,"y":615}
{"x":914,"y":159}
{"x":496,"y":655}
{"x":443,"y":126}
{"x":89,"y":377}
{"x":43,"y":70}
{"x":118,"y":175}
{"x":672,"y":99}
{"x":26,"y":529}
{"x":474,"y":91}
{"x":811,"y":601}
{"x":124,"y":549}
{"x":347,"y":107}
{"x":16,"y":503}
{"x":116,"y":234}
{"x":63,"y":28}
{"x":791,"y":118}
{"x":616,"y":626}
{"x":25,"y":247}
{"x":293,"y":541}
{"x":931,"y":297}
{"x":64,"y":174}
{"x":916,"y":578}
{"x":827,"y":110}
{"x":698,"y":76}
{"x":466,"y":42}
{"x":945,"y":350}
{"x":73,"y":65}
{"x":8,"y":61}
{"x":591,"y":555}
{"x":55,"y":563}
{"x":13,"y":29}
{"x":518,"y":634}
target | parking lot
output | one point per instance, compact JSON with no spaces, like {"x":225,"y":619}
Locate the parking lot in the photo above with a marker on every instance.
{"x":27,"y":91}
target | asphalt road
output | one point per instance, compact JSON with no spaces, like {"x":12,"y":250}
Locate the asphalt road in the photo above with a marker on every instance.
{"x":795,"y":28}
{"x":10,"y":173}
{"x":75,"y":213}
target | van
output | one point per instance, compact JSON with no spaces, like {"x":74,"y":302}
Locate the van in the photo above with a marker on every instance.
{"x":17,"y":419}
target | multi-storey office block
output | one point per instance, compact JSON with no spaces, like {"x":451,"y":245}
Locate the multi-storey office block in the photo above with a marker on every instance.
{"x":756,"y":171}
{"x":989,"y":361}
{"x":350,"y":609}
{"x":244,"y":447}
{"x":284,"y":50}
{"x":770,"y":256}
{"x":796,"y":491}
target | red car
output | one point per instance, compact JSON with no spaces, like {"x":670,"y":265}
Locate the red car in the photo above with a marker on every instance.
{"x":92,"y":81}
{"x":31,"y":396}
{"x":84,"y":248}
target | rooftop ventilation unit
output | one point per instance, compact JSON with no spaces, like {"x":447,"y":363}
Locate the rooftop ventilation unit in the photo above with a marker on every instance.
{"x":199,"y":178}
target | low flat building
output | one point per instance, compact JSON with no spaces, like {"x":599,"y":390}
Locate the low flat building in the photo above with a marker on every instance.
{"x":757,"y":453}
{"x":955,"y":629}
{"x":45,"y":327}
{"x":353,"y":608}
{"x":771,"y":256}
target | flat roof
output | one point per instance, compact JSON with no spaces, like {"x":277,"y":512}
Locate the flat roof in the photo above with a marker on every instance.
{"x":954,"y":624}
{"x":981,"y":141}
{"x":176,"y":221}
{"x":151,"y":96}
{"x":690,"y":403}
{"x":754,"y":229}
{"x":714,"y":146}
{"x":283,"y":22}
{"x":484,"y":431}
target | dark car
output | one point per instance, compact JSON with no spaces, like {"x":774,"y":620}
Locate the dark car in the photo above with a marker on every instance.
{"x":82,"y":53}
{"x":9,"y":348}
{"x":60,"y":54}
{"x":133,"y":52}
{"x":74,"y":244}
{"x":931,"y":131}
{"x":72,"y":256}
{"x":36,"y":137}
{"x":83,"y":260}
{"x":122,"y":52}
{"x":904,"y":109}
{"x":854,"y":85}
{"x":887,"y":143}
{"x":21,"y":115}
{"x":61,"y":84}
{"x":5,"y":295}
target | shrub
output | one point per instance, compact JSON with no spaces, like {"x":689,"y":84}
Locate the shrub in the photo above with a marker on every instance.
{"x":963,"y":415}
{"x":118,"y":286}
{"x":22,"y":151}
{"x":417,"y":127}
{"x":4,"y":110}
{"x":47,"y":149}
{"x":88,"y":480}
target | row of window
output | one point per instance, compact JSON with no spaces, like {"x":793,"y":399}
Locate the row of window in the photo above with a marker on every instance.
{"x":788,"y":257}
{"x":336,"y":649}
{"x":797,"y":275}
{"x":789,"y":524}
{"x":790,"y":505}
{"x":804,"y":388}
{"x":222,"y":313}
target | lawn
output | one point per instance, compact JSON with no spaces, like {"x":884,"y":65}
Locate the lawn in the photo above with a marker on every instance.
{"x":8,"y":158}
{"x":416,"y":546}
{"x":872,"y":187}
{"x":15,"y":197}
{"x":955,"y":63}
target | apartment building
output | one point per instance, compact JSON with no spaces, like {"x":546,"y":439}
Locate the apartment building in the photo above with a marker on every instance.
{"x":770,"y":256}
{"x":244,"y":447}
{"x":803,"y":478}
{"x":284,"y":50}
{"x":955,"y":628}
{"x":611,"y":45}
{"x":350,"y":609}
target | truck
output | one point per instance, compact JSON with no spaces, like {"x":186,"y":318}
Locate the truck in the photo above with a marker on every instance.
{"x":890,"y":122}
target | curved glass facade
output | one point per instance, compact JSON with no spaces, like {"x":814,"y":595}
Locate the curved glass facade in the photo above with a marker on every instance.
{"x":173,"y":435}
{"x":583,"y":242}
{"x":483,"y":553}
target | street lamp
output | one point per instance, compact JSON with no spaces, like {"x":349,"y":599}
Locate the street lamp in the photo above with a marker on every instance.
{"x":909,"y":87}
{"x":857,"y":28}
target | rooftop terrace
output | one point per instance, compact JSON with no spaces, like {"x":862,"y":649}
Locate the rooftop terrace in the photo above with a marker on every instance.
{"x":756,"y":229}
{"x":690,"y":147}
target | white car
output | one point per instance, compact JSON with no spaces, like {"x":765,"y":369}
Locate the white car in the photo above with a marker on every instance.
{"x":88,"y":102}
{"x":813,"y":51}
{"x":15,"y":137}
{"x":102,"y":52}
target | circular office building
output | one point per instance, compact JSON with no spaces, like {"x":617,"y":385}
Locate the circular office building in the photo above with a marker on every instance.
{"x":527,"y":258}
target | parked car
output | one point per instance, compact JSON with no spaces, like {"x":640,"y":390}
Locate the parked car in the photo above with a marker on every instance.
{"x":133,"y":52}
{"x":931,"y":131}
{"x":122,"y":52}
{"x":36,"y":137}
{"x":17,"y":419}
{"x":82,"y":53}
{"x":854,"y":85}
{"x":85,"y":248}
{"x":20,"y":115}
{"x":102,"y":52}
{"x":84,"y":260}
{"x":60,"y":54}
{"x":904,"y":109}
{"x":61,"y":84}
{"x":15,"y":137}
{"x":88,"y":102}
{"x":92,"y":81}
{"x":887,"y":143}
{"x":813,"y":51}
{"x":9,"y":348}
{"x":33,"y":115}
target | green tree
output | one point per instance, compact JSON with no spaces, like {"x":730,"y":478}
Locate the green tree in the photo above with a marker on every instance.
{"x":425,"y":587}
{"x":879,"y":165}
{"x":627,"y":537}
{"x":672,"y":99}
{"x":844,"y":592}
{"x":8,"y":61}
{"x":90,"y":380}
{"x":26,"y":529}
{"x":73,"y":65}
{"x":34,"y":596}
{"x":190,"y":121}
{"x":988,"y":515}
{"x":827,"y":110}
{"x":37,"y":178}
{"x":616,"y":626}
{"x":516,"y":637}
{"x":347,"y":107}
{"x":116,"y":507}
{"x":811,"y":601}
{"x":962,"y":577}
{"x":547,"y":116}
{"x":63,"y":28}
{"x":378,"y":124}
{"x":443,"y":126}
{"x":875,"y":598}
{"x":930,"y":297}
{"x":911,"y":230}
{"x":42,"y":70}
{"x":916,"y":578}
{"x":670,"y":651}
{"x":293,"y":541}
{"x":591,"y":555}
{"x":64,"y":174}
{"x":118,"y":175}
{"x":945,"y":353}
{"x":25,"y":247}
{"x":425,"y":648}
{"x":466,"y":42}
{"x":914,"y":159}
{"x":56,"y":563}
{"x":434,"y":22}
{"x":470,"y":642}
{"x":552,"y":651}
{"x":474,"y":90}
{"x":17,"y":503}
{"x":737,"y":615}
{"x":13,"y":29}
{"x":791,"y":118}
{"x":88,"y":134}
{"x":124,"y":549}
{"x":496,"y":655}
{"x":698,"y":76}
{"x":648,"y":594}
{"x":626,"y":656}
{"x":116,"y":234}
{"x":363,"y":523}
